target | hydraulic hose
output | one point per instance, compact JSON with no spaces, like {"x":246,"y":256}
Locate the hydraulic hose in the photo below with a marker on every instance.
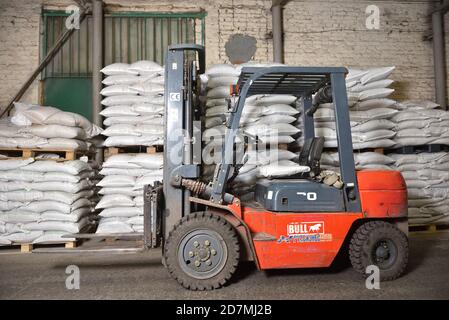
{"x":202,"y":189}
{"x":323,"y":95}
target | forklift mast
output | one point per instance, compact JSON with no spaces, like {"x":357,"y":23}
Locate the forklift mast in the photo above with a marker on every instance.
{"x":181,"y":71}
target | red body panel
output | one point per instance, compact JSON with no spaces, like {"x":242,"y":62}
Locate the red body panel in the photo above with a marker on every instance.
{"x":306,"y":240}
{"x":288,"y":250}
{"x":383,"y":194}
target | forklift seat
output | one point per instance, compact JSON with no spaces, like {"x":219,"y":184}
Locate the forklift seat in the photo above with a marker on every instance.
{"x":310,"y":154}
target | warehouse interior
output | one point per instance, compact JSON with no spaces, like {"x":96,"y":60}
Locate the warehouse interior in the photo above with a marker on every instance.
{"x":314,"y":145}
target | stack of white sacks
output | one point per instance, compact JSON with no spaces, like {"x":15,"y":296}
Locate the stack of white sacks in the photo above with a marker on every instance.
{"x":134,"y":104}
{"x":134,"y":116}
{"x":34,"y":126}
{"x":376,"y":122}
{"x":420,"y":123}
{"x":427,"y":179}
{"x":362,"y":161}
{"x":41,"y":200}
{"x":271,"y":119}
{"x":125,"y":176}
{"x":370,"y":111}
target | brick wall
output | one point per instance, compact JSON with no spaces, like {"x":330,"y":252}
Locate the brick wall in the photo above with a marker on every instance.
{"x":334,"y":33}
{"x":317,"y":32}
{"x":19,"y":47}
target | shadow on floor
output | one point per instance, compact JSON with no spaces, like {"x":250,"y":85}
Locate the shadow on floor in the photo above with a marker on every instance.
{"x":419,"y":250}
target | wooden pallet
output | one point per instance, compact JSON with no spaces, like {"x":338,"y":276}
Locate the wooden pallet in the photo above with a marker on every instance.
{"x":28,"y":247}
{"x":428,"y":228}
{"x":34,"y":152}
{"x":132,"y":149}
{"x":418,"y":149}
{"x":377,"y":150}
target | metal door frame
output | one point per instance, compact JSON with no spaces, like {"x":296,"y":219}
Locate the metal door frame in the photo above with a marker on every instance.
{"x":125,"y":14}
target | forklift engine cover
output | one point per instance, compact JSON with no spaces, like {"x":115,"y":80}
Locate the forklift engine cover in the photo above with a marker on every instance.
{"x":382,"y":194}
{"x":299,"y":195}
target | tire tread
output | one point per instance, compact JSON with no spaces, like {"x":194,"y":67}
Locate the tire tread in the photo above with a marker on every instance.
{"x":233,"y":247}
{"x":361,"y":237}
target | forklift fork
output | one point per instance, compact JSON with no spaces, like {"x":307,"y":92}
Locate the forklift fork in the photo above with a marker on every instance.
{"x":152,"y":215}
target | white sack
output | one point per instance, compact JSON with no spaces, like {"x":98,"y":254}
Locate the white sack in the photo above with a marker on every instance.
{"x":24,"y":237}
{"x":282,"y":168}
{"x":148,"y":161}
{"x":377,"y":74}
{"x":371,"y":85}
{"x":53,"y":237}
{"x":222,"y":70}
{"x":55,"y":131}
{"x":118,"y":69}
{"x":130,"y":99}
{"x":117,"y":90}
{"x":73,"y":167}
{"x":121,"y":212}
{"x":11,"y":164}
{"x":117,"y":181}
{"x":375,"y":93}
{"x":126,"y":191}
{"x":122,"y":79}
{"x":123,"y":141}
{"x":113,"y":227}
{"x":111,"y":201}
{"x":149,"y":119}
{"x":145,"y":67}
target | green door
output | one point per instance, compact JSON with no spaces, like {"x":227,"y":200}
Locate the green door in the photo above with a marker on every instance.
{"x":129,"y":37}
{"x":69,"y":94}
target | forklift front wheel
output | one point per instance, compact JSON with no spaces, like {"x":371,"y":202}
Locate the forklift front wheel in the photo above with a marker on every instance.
{"x":381,"y":244}
{"x":202,"y":251}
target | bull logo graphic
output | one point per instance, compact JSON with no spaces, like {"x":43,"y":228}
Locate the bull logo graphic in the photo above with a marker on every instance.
{"x":315,"y":227}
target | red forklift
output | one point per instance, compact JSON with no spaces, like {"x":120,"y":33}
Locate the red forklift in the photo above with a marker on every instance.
{"x":292,"y":222}
{"x":205,"y":231}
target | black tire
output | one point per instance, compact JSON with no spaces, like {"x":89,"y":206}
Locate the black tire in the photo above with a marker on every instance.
{"x":382,"y":244}
{"x":214,"y":271}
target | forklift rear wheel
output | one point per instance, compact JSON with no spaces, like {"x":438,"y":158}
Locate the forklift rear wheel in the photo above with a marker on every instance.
{"x":381,"y":244}
{"x":202,"y":251}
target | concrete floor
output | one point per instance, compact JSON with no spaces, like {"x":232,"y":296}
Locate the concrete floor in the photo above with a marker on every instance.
{"x":141,"y":276}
